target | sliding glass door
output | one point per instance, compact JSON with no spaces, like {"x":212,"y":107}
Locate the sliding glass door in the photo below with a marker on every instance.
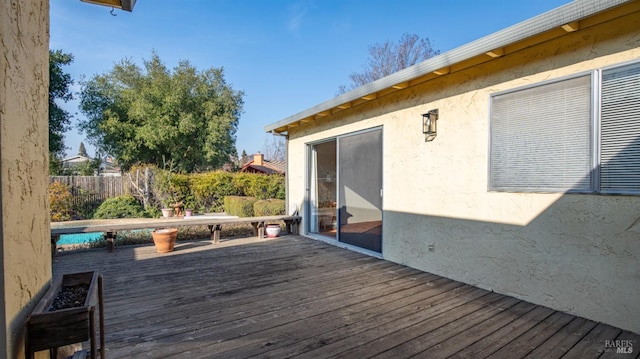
{"x":360,"y":190}
{"x":322,"y":188}
{"x":345,"y":189}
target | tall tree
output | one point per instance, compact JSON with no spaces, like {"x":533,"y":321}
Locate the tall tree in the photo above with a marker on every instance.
{"x":388,"y":57}
{"x":180,"y":119}
{"x":82,"y":151}
{"x":59,"y":89}
{"x":244,"y":159}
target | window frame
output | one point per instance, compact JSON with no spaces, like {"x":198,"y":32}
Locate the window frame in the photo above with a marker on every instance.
{"x":601,"y":72}
{"x":595,"y":138}
{"x":493,"y":188}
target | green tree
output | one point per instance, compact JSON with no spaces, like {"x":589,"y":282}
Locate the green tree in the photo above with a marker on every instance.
{"x":388,"y":57}
{"x":59,"y":89}
{"x":55,"y":165}
{"x":181,"y":119}
{"x":87,"y":168}
{"x":244,"y":159}
{"x":82,"y":151}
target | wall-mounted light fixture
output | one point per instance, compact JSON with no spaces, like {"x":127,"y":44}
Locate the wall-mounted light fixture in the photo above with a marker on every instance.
{"x":126,"y":5}
{"x":429,"y":127}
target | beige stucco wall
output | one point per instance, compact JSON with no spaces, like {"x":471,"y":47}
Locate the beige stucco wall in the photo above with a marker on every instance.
{"x":578,"y":253}
{"x":25,"y":254}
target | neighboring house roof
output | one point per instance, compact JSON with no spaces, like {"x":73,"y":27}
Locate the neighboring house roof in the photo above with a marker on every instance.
{"x":106,"y":167}
{"x":259,"y":164}
{"x":109,"y":167}
{"x":538,"y":29}
{"x":75,"y":160}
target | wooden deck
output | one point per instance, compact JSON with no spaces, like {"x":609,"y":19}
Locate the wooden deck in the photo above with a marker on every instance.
{"x":295,"y":297}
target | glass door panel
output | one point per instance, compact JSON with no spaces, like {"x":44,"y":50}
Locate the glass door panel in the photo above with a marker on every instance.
{"x":360,"y":190}
{"x":322,"y":189}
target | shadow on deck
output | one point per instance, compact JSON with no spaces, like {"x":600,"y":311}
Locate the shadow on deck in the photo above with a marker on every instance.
{"x":294,"y":296}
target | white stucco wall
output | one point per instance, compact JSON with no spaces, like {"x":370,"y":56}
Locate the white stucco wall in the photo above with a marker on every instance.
{"x":25,"y":250}
{"x":578,"y":253}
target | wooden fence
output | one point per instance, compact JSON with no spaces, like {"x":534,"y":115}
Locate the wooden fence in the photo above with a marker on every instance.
{"x":103,"y":186}
{"x":88,"y":192}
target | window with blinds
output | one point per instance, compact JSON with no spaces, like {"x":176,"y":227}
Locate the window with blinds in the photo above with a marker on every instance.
{"x":620,"y":130}
{"x":542,"y":137}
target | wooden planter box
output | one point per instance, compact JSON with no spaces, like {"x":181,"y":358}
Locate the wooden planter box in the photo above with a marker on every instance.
{"x":49,"y":329}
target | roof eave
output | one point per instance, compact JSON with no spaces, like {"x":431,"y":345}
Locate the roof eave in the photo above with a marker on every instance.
{"x":559,"y":17}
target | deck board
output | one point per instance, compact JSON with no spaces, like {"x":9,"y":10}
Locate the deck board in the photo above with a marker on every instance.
{"x":470,"y":332}
{"x":563,"y":340}
{"x":592,"y":344}
{"x":429,"y":332}
{"x":295,"y":297}
{"x":522,"y":335}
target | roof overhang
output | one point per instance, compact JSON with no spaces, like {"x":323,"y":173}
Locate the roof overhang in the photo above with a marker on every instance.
{"x":126,"y":5}
{"x":552,"y":24}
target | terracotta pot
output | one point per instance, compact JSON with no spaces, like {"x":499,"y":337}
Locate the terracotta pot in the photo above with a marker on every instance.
{"x":273,"y":230}
{"x":165,"y":239}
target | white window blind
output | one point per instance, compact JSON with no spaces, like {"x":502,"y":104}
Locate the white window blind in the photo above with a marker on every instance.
{"x":620,"y":130}
{"x":540,"y":137}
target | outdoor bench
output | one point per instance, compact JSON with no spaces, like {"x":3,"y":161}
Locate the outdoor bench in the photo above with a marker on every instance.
{"x":110,"y":227}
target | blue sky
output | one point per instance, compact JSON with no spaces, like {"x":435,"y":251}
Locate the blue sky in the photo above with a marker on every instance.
{"x":286,"y":56}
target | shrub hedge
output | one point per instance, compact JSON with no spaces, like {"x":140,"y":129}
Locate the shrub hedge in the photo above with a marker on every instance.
{"x":209,"y":189}
{"x":203,"y":192}
{"x":269,"y":207}
{"x":60,"y":202}
{"x":206,"y":192}
{"x":125,"y":206}
{"x":170,"y":187}
{"x":239,"y":206}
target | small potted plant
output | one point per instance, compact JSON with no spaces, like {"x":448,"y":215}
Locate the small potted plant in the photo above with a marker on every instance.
{"x":168,"y":199}
{"x":167,"y":212}
{"x":167,"y":209}
{"x":171,"y":206}
{"x":189,"y":204}
{"x":272,"y":230}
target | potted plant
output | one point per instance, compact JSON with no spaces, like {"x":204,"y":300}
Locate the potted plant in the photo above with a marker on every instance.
{"x":171,"y":206}
{"x":167,"y":200}
{"x":272,"y":230}
{"x":167,"y":212}
{"x":167,"y":209}
{"x":165,"y":239}
{"x":189,"y":205}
